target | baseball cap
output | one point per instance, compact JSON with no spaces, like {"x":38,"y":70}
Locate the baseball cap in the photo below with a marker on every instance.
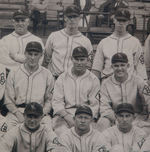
{"x":34,"y":46}
{"x":84,"y":109}
{"x":122,"y":14}
{"x":119,"y":57}
{"x":34,"y":109}
{"x":79,"y":51}
{"x":72,"y":10}
{"x":121,"y":4}
{"x":124,"y":107}
{"x":20,"y":14}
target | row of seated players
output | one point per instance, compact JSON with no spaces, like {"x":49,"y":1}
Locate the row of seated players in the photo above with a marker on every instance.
{"x":33,"y":82}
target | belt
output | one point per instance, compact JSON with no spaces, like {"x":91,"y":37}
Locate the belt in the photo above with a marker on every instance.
{"x":23,"y":105}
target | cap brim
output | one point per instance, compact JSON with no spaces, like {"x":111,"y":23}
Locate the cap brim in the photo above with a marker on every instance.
{"x":20,"y":16}
{"x":121,"y":18}
{"x":124,"y":110}
{"x":72,"y":14}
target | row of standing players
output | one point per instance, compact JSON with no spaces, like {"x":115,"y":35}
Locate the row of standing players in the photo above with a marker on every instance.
{"x":67,"y":55}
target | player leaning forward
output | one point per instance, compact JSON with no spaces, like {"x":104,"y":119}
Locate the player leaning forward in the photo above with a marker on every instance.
{"x":76,"y":87}
{"x":29,"y":83}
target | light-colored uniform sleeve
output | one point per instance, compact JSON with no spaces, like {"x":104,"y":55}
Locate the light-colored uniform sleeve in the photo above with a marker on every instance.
{"x":147,"y":55}
{"x":105,"y":105}
{"x":8,"y":141}
{"x":139,"y":61}
{"x":2,"y":81}
{"x":48,"y":93}
{"x":48,"y":51}
{"x":58,"y":102}
{"x":10,"y":93}
{"x":98,"y":63}
{"x":94,"y":97}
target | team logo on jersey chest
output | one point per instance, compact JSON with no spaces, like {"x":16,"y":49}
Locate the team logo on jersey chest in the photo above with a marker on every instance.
{"x":146,"y":90}
{"x":2,"y":78}
{"x":141,"y":58}
{"x":4,"y":127}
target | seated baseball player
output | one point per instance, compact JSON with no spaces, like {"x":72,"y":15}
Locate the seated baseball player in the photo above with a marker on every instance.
{"x":82,"y":137}
{"x":29,"y":83}
{"x":77,"y":86}
{"x":30,"y":135}
{"x":123,"y":133}
{"x":123,"y":87}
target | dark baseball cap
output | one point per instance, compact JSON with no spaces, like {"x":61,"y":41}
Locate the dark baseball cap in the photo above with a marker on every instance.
{"x":84,"y":109}
{"x":119,"y":57}
{"x":79,"y":51}
{"x":122,"y":14}
{"x":20,"y":14}
{"x":34,"y":109}
{"x":124,"y":107}
{"x":72,"y":10}
{"x":34,"y":46}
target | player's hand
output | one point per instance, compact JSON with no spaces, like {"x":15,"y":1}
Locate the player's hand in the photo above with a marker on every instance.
{"x":69,"y":120}
{"x":19,"y":116}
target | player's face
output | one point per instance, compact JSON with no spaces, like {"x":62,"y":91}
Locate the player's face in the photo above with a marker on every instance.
{"x":32,"y":121}
{"x":72,"y":22}
{"x":120,"y":25}
{"x":21,"y":25}
{"x":125,"y":120}
{"x":32,"y":58}
{"x":80,"y":63}
{"x":82,"y":121}
{"x":120,"y":69}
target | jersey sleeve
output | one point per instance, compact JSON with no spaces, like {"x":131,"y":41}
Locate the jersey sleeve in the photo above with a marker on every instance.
{"x":139,"y":61}
{"x":58,"y":102}
{"x":98,"y":62}
{"x":48,"y":93}
{"x":94,"y":97}
{"x":10,"y":93}
{"x":48,"y":51}
{"x":2,"y":81}
{"x":105,"y":104}
{"x":147,"y":55}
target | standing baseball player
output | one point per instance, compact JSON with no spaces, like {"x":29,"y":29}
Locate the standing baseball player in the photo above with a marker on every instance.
{"x":60,"y":44}
{"x":76,"y":87}
{"x":124,"y":133}
{"x":12,"y":46}
{"x":29,"y":83}
{"x":31,"y":135}
{"x":123,"y":87}
{"x":119,"y":41}
{"x":82,"y":137}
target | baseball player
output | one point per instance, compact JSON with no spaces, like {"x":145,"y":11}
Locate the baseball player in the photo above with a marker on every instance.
{"x":124,"y":133}
{"x":76,"y":87}
{"x":31,"y":135}
{"x":12,"y":46}
{"x":60,"y":44}
{"x":29,"y":83}
{"x":122,"y":87}
{"x":119,"y":41}
{"x":82,"y":137}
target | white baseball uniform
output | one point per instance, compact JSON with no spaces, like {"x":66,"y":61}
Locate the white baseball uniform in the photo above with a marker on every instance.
{"x":16,"y":44}
{"x":113,"y":93}
{"x":23,"y":88}
{"x":70,"y":92}
{"x":59,"y":47}
{"x":2,"y":80}
{"x":20,"y":139}
{"x":111,"y":45}
{"x":113,"y":136}
{"x":89,"y":142}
